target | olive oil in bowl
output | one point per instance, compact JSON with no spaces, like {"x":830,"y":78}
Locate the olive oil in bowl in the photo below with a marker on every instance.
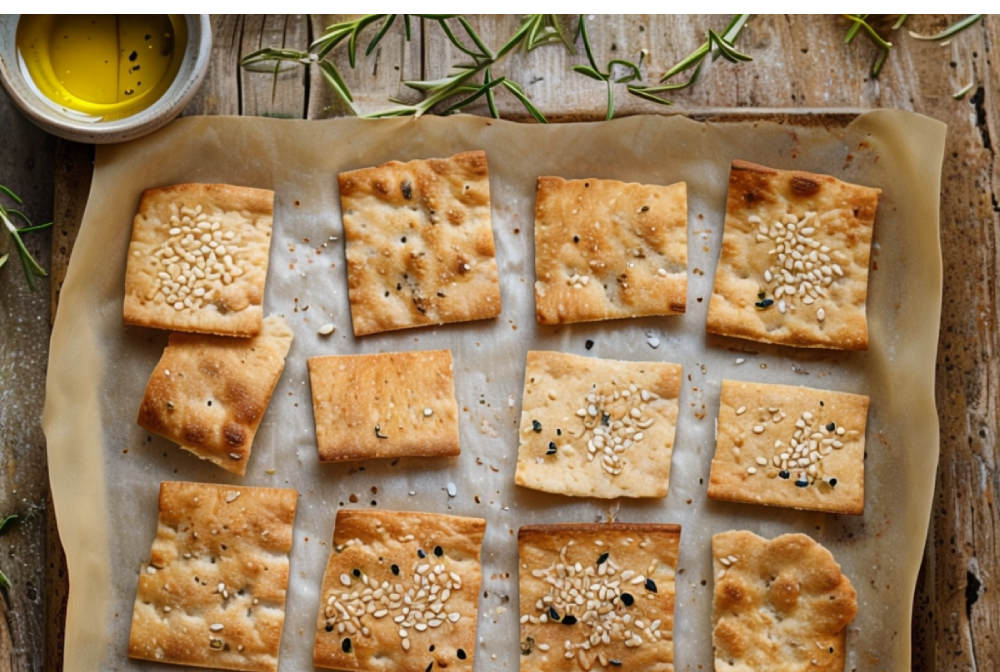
{"x":100,"y":67}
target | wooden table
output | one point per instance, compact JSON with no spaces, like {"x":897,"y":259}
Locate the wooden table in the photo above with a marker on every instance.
{"x":799,"y":62}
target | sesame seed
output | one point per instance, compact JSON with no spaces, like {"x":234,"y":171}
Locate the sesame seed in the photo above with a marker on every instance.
{"x":820,"y":314}
{"x":325,"y":330}
{"x":751,"y":470}
{"x":758,"y":429}
{"x":345,"y":579}
{"x":216,"y":627}
{"x":428,"y":412}
{"x":762,"y":461}
{"x":741,"y":410}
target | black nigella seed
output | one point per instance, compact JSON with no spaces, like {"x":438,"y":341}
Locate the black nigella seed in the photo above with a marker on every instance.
{"x":764,"y":303}
{"x":399,"y":286}
{"x":784,"y":474}
{"x":576,"y":239}
{"x":134,"y":55}
{"x":431,"y":648}
{"x":461,"y":654}
{"x":589,"y":344}
{"x":558,"y":432}
{"x":569,"y":620}
{"x":403,"y":239}
{"x":438,"y":551}
{"x":833,"y":482}
{"x":552,"y":448}
{"x":430,"y":666}
{"x":357,"y":573}
{"x":616,"y":663}
{"x":761,"y":295}
{"x":407,"y":189}
{"x":645,"y":208}
{"x":801,"y":484}
{"x":553,"y":614}
{"x":831,"y":427}
{"x":420,"y":553}
{"x":650,"y":585}
{"x":329,"y":627}
{"x":395,"y":569}
{"x":602,"y":558}
{"x":606,"y":419}
{"x":346,"y":645}
{"x":627,"y":599}
{"x":536,"y":426}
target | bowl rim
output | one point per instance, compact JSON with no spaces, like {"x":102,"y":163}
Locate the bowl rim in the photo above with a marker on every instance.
{"x":194,"y":67}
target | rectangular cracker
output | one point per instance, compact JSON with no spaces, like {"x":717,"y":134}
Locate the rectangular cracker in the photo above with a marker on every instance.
{"x":805,"y":287}
{"x":198,"y":259}
{"x":780,"y":604}
{"x":213,"y":591}
{"x":606,"y":249}
{"x":208,"y":394}
{"x":419,"y":243}
{"x":395,"y":404}
{"x":575,"y":409}
{"x":400,"y":592}
{"x":625,"y":574}
{"x":824,"y":429}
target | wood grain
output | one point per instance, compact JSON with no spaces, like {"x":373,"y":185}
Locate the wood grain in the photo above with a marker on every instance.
{"x":799,"y":62}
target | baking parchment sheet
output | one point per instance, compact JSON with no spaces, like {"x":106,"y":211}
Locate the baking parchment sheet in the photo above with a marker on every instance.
{"x":106,"y":471}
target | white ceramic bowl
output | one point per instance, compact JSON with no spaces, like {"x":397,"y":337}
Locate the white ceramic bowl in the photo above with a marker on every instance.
{"x":192,"y":71}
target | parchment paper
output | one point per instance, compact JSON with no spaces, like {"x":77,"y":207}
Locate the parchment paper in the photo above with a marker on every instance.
{"x":106,"y":471}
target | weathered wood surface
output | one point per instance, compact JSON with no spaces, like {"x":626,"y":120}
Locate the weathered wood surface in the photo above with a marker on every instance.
{"x":799,"y":62}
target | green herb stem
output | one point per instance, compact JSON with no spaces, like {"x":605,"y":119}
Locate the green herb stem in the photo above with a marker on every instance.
{"x":950,"y":31}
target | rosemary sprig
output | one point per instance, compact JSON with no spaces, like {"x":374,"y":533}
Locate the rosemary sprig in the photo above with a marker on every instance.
{"x":961,"y":93}
{"x":465,"y":80}
{"x":950,"y":31}
{"x":716,"y":45}
{"x":546,"y":28}
{"x":859,"y":23}
{"x":31,"y":267}
{"x":7,"y":521}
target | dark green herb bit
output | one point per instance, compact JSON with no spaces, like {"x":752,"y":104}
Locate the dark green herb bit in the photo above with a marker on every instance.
{"x":395,"y":569}
{"x":420,"y":553}
{"x":602,"y":558}
{"x":650,"y":585}
{"x":569,"y":619}
{"x":761,"y":295}
{"x":627,"y":599}
{"x":831,"y":427}
{"x":461,"y":654}
{"x":552,"y":448}
{"x":346,"y":645}
{"x":553,"y":614}
{"x":764,"y":303}
{"x":536,"y":426}
{"x":438,"y":551}
{"x":616,"y":663}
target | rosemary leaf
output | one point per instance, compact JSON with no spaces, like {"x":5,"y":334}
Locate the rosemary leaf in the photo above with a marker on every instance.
{"x":491,"y":102}
{"x":611,"y":102}
{"x":519,"y":94}
{"x":4,"y":581}
{"x":950,"y":31}
{"x":635,"y":71}
{"x":642,"y":92}
{"x":961,"y":93}
{"x":900,"y":21}
{"x":31,"y":268}
{"x":865,"y":26}
{"x":589,"y":72}
{"x":586,"y":45}
{"x":336,"y":82}
{"x":727,"y":51}
{"x":386,"y":25}
{"x":7,"y":521}
{"x":853,"y":30}
{"x":12,"y":196}
{"x":475,"y":37}
{"x":3,"y":259}
{"x":477,"y":94}
{"x":879,"y":62}
{"x":406,"y":27}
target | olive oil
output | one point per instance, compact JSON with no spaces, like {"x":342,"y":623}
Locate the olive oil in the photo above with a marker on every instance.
{"x":101,"y":67}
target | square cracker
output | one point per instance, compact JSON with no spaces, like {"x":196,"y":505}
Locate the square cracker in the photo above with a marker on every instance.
{"x":597,"y":427}
{"x":400,"y":592}
{"x":805,"y":286}
{"x":627,"y":572}
{"x":790,"y":446}
{"x":419,"y":243}
{"x":396,"y":404}
{"x":606,"y":249}
{"x":213,"y":591}
{"x":208,"y":394}
{"x":198,"y":259}
{"x":780,"y":605}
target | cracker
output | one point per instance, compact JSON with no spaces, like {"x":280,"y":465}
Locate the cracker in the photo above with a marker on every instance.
{"x":606,"y":249}
{"x":198,"y":259}
{"x":419,"y":243}
{"x":422,"y":573}
{"x":208,"y":394}
{"x":597,"y":427}
{"x":781,"y":604}
{"x":213,"y":591}
{"x":625,"y":574}
{"x":790,"y":446}
{"x":805,"y":287}
{"x":396,"y":404}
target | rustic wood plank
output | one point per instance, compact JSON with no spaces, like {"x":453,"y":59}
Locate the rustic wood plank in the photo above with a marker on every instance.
{"x":274,"y":94}
{"x":25,"y":167}
{"x":74,"y":170}
{"x":220,"y":92}
{"x":376,"y":78}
